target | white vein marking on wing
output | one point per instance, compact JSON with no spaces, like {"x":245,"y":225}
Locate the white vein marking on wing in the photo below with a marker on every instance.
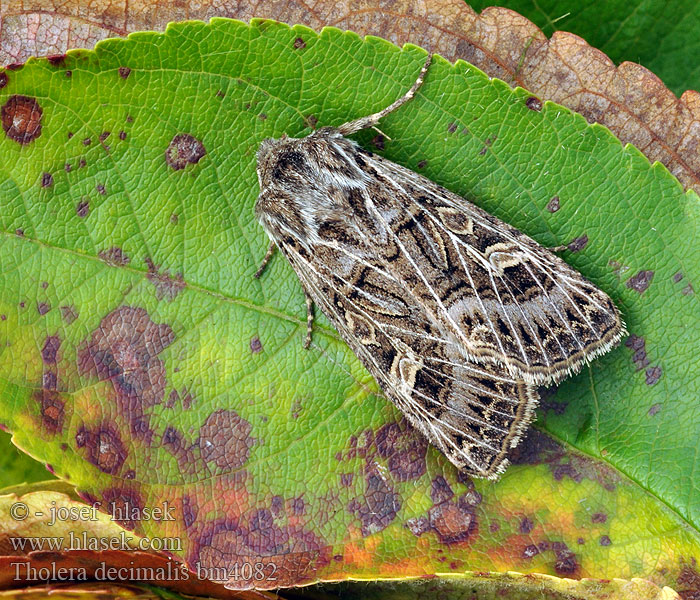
{"x":459,"y":243}
{"x":384,"y":327}
{"x":462,"y":382}
{"x":430,"y":419}
{"x":438,"y":301}
{"x":487,"y":266}
{"x":561,"y":317}
{"x":470,"y":402}
{"x":533,"y":257}
{"x":480,"y":390}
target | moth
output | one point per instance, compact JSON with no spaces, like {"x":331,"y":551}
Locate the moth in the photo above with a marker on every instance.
{"x":456,"y":314}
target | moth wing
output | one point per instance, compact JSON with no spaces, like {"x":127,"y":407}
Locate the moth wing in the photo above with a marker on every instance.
{"x":472,"y":413}
{"x":507,"y":299}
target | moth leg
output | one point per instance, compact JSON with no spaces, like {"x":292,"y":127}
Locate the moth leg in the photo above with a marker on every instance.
{"x":557,"y":249}
{"x":309,"y":320}
{"x":372,"y":120}
{"x":266,"y":259}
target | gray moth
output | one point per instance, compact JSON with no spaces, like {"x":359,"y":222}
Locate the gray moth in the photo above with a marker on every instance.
{"x":456,"y":314}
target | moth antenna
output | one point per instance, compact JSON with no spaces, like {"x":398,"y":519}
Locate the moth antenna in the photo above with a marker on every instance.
{"x":372,"y":120}
{"x":380,"y":132}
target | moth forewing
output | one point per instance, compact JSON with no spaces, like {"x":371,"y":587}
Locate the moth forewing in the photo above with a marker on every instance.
{"x":456,"y":314}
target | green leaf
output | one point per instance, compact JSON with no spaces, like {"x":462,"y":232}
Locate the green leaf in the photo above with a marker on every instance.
{"x":147,"y":365}
{"x":17,"y":467}
{"x":662,"y":36}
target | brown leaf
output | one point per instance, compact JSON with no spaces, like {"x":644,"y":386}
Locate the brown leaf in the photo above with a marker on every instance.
{"x":629,"y":99}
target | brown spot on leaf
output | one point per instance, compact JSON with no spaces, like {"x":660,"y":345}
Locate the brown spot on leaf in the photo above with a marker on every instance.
{"x":298,"y":506}
{"x":105,"y":448}
{"x":346,"y":479}
{"x":276,"y":505}
{"x":677,"y":277}
{"x":538,"y":448}
{"x":377,"y":508}
{"x":640,"y":282}
{"x":101,"y":189}
{"x":688,"y":290}
{"x":3,"y":79}
{"x":184,"y":150}
{"x":124,"y":72}
{"x":578,"y":244}
{"x":21,"y":119}
{"x":565,"y":563}
{"x":378,"y":141}
{"x":452,"y":127}
{"x":124,"y":505}
{"x":56,"y":60}
{"x":82,"y":163}
{"x":67,"y":168}
{"x":549,"y":402}
{"x":174,"y":218}
{"x":51,"y":406}
{"x":69,"y":314}
{"x":290,"y":554}
{"x":404,"y":450}
{"x":167,"y":286}
{"x":440,"y":490}
{"x":299,"y":44}
{"x":49,"y":350}
{"x":605,"y":540}
{"x":171,"y":437}
{"x":124,"y":351}
{"x":43,"y":307}
{"x":422,"y":163}
{"x":688,"y":585}
{"x":653,"y":374}
{"x":87,"y":141}
{"x":311,"y":121}
{"x":46,"y":180}
{"x":453,"y":522}
{"x":534,"y":103}
{"x":82,"y":209}
{"x":599,"y":518}
{"x":262,"y":117}
{"x":535,"y":448}
{"x":255,"y":345}
{"x":638,"y":345}
{"x":122,"y":135}
{"x":654,"y":409}
{"x":526,"y":525}
{"x":69,"y":73}
{"x":114,"y":256}
{"x":104,"y":135}
{"x":189,"y":511}
{"x":225,"y":439}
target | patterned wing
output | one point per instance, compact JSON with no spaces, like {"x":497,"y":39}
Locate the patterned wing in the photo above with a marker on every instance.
{"x":456,"y":314}
{"x":472,"y":413}
{"x":507,"y":299}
